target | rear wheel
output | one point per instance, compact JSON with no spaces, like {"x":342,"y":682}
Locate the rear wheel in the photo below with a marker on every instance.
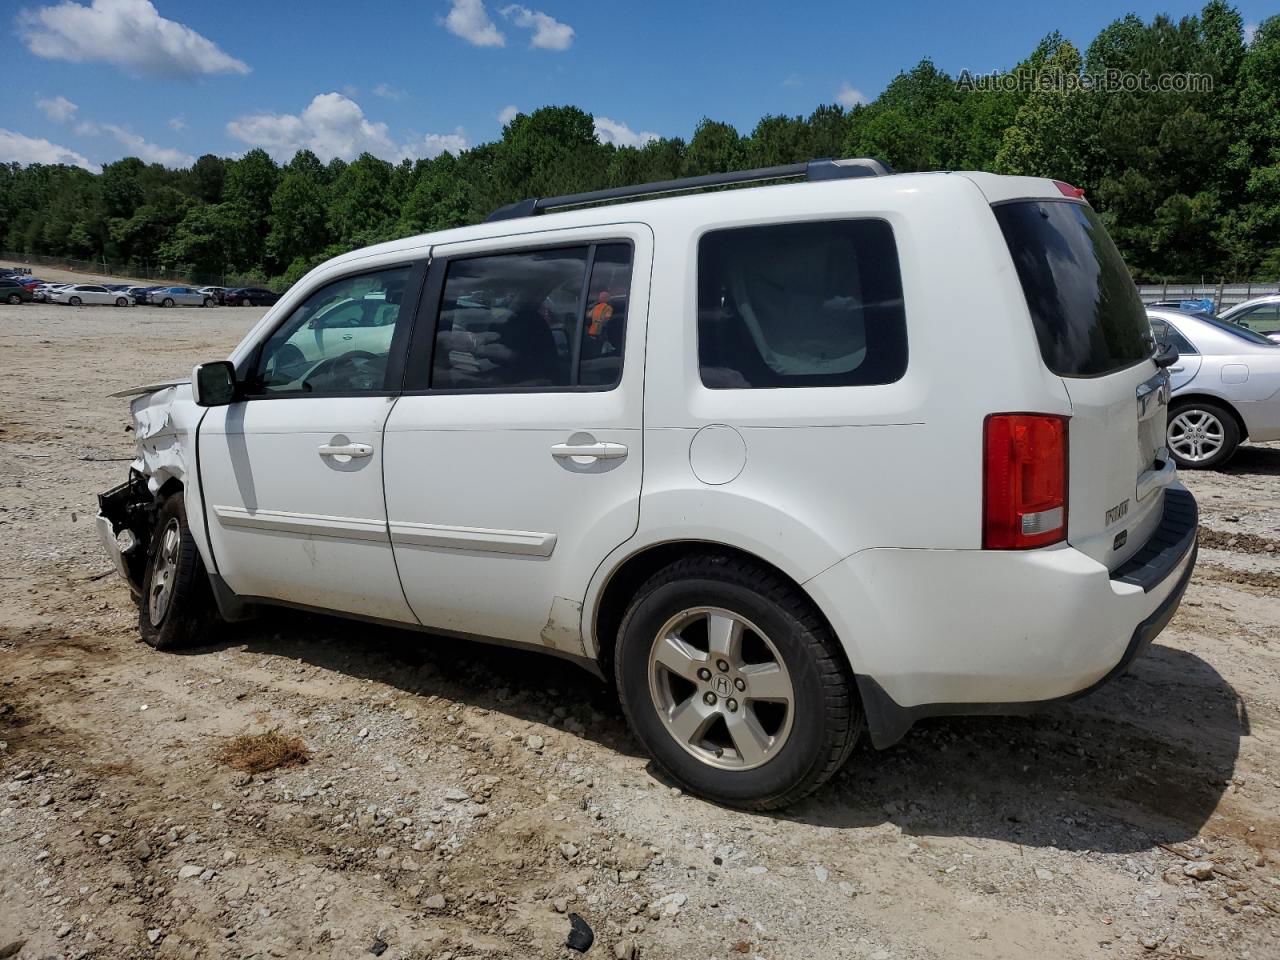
{"x":75,"y":301}
{"x":208,"y":301}
{"x":167,"y":302}
{"x":14,"y":299}
{"x":246,"y":302}
{"x":177,"y":607}
{"x":1202,"y":435}
{"x":121,"y":302}
{"x":734,"y":683}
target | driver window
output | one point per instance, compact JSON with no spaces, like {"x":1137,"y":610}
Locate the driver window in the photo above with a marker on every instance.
{"x":337,"y":341}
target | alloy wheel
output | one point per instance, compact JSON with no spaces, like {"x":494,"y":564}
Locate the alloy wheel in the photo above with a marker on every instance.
{"x":1196,"y":435}
{"x":721,"y":688}
{"x":165,"y":572}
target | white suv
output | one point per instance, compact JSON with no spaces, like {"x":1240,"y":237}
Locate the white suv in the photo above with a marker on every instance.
{"x":783,"y":462}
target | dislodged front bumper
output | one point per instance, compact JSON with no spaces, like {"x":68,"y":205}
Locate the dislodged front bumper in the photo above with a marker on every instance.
{"x":125,"y":515}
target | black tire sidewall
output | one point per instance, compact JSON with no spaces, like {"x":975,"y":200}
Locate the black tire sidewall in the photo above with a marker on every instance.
{"x":1230,"y":435}
{"x":805,"y":748}
{"x":190,"y":613}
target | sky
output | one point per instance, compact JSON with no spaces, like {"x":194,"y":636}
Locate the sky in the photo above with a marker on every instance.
{"x":91,"y":81}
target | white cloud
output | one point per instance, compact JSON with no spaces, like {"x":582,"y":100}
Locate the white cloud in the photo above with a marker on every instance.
{"x":178,"y":123}
{"x":548,"y":32}
{"x":22,"y":149}
{"x":335,"y":126}
{"x":434,"y":144}
{"x":508,"y":114}
{"x":128,"y":33}
{"x":59,"y":109}
{"x":620,"y":135}
{"x":792,"y":80}
{"x":388,"y":92}
{"x":850,"y":96}
{"x":471,"y":21}
{"x":1250,"y":31}
{"x":137,"y":147}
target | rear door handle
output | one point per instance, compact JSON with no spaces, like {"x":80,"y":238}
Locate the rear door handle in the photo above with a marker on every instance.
{"x":592,"y":451}
{"x":351,"y":450}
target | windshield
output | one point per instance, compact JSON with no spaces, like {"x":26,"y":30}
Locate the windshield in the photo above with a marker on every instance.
{"x":1235,"y":329}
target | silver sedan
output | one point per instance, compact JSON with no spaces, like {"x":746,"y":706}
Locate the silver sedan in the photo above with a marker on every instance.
{"x":1225,"y":387}
{"x":181,"y":297}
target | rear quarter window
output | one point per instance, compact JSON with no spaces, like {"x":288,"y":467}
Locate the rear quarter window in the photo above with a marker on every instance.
{"x":1088,"y":317}
{"x":813,"y":304}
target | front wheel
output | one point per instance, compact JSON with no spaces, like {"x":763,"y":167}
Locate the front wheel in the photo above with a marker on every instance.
{"x":1202,"y":435}
{"x":14,"y":299}
{"x":246,"y":302}
{"x":735,"y":684}
{"x":176,"y":608}
{"x":208,"y":302}
{"x":75,"y":301}
{"x":121,"y":302}
{"x":167,"y":302}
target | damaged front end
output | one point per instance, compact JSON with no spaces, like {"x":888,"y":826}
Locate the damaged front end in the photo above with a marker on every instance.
{"x":126,"y":515}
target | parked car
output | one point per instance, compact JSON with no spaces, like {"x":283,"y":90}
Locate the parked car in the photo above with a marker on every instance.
{"x":43,"y":291}
{"x":1261,"y":315}
{"x":181,"y":296}
{"x":219,"y":294}
{"x":1225,"y":387}
{"x":14,"y":291}
{"x":79,"y":294}
{"x":683,"y":442}
{"x":251,"y":297}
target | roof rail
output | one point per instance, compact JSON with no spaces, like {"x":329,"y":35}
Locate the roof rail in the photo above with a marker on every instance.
{"x":824,"y":169}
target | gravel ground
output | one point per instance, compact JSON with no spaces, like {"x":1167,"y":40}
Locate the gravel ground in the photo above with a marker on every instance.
{"x":463,"y":801}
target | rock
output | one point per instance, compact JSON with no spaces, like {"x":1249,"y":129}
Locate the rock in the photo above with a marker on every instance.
{"x":625,"y":950}
{"x":364,"y":732}
{"x":1199,"y":870}
{"x":848,"y":889}
{"x":153,"y":935}
{"x":580,"y":936}
{"x":1043,"y":875}
{"x":142,"y":850}
{"x":383,"y":853}
{"x":435,"y":902}
{"x":627,"y":876}
{"x":454,"y":795}
{"x":534,"y":742}
{"x":190,"y":871}
{"x":63,"y":930}
{"x":105,"y":840}
{"x":757,"y":870}
{"x":409,"y":864}
{"x":568,"y":851}
{"x":12,"y":949}
{"x":560,"y":905}
{"x":821,"y":873}
{"x":379,"y":947}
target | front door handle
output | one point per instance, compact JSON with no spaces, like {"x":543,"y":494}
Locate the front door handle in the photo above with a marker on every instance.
{"x":350,"y":450}
{"x":1176,"y":369}
{"x":589,"y":451}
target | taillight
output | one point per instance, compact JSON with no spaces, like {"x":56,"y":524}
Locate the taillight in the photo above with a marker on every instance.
{"x":1024,"y":461}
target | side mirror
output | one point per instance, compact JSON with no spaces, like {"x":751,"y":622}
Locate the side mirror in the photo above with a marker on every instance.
{"x":1166,"y":354}
{"x":214,"y":384}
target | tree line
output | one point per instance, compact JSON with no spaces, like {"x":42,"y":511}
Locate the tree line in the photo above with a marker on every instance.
{"x":1187,"y":182}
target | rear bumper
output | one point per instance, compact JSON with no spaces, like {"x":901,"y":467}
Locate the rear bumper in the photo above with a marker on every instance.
{"x":956,"y":632}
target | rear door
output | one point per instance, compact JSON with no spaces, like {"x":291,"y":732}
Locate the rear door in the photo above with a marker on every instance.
{"x":513,"y":459}
{"x":1093,"y":332}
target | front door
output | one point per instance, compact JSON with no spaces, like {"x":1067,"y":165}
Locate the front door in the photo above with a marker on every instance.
{"x":513,"y":459}
{"x":292,"y":473}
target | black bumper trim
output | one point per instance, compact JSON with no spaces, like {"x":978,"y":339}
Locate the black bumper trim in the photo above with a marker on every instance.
{"x":888,"y":721}
{"x":1167,"y":546}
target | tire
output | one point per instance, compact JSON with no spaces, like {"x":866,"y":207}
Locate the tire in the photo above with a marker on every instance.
{"x":208,"y":302}
{"x":121,"y":302}
{"x":75,"y":301}
{"x":176,"y":608}
{"x":246,"y":302}
{"x":799,"y":744}
{"x":167,"y":302}
{"x":1202,"y":435}
{"x":14,"y":299}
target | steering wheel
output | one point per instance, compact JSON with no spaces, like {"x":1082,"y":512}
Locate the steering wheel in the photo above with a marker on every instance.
{"x":335,"y":368}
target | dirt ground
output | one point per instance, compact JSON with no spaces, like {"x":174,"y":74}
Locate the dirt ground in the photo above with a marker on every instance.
{"x":462,"y":800}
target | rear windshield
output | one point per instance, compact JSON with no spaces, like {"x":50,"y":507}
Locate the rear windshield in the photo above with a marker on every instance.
{"x":1236,"y":329}
{"x":1088,"y":316}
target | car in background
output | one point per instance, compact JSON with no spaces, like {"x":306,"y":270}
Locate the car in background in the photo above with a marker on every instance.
{"x":43,"y":291}
{"x":80,"y":294}
{"x":181,"y":297}
{"x":251,"y":297}
{"x":219,"y":294}
{"x":1225,"y":387}
{"x":1261,"y":315}
{"x":142,"y":294}
{"x":14,"y":291}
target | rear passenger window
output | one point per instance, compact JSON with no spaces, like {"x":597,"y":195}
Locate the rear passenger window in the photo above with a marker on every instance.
{"x":801,"y":305}
{"x":550,"y":319}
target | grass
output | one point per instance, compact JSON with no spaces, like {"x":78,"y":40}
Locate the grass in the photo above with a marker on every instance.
{"x":260,"y":752}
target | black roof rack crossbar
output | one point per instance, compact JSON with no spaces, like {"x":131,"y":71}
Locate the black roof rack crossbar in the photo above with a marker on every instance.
{"x":813,"y":170}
